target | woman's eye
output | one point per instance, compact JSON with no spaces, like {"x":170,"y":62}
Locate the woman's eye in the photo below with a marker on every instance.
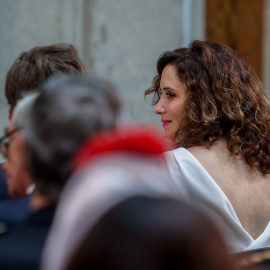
{"x":170,"y":95}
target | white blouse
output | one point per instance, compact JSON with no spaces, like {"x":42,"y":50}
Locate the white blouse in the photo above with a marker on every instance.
{"x":198,"y":188}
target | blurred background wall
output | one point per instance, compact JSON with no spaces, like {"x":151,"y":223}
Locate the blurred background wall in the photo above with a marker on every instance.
{"x":116,"y":39}
{"x":122,"y":39}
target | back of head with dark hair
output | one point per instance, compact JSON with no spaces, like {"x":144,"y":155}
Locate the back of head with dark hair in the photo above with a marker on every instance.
{"x":152,"y":234}
{"x":34,"y":67}
{"x":69,"y":109}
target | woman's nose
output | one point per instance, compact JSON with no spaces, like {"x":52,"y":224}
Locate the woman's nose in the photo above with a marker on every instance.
{"x":160,"y":109}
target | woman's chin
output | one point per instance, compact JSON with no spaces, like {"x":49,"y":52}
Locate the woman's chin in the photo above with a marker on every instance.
{"x":168,"y":136}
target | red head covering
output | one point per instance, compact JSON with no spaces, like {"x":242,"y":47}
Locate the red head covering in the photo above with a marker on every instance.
{"x":137,"y":139}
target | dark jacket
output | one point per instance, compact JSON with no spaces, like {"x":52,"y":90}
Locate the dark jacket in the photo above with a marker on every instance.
{"x":12,"y":211}
{"x":21,"y":248}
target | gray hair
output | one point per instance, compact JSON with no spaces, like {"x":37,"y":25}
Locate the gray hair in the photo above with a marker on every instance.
{"x":69,"y":109}
{"x":21,"y":111}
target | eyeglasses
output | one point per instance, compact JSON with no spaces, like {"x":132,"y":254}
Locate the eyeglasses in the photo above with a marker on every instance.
{"x":4,"y":144}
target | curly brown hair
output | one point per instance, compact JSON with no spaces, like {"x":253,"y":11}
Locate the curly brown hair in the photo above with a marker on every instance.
{"x":225,"y":98}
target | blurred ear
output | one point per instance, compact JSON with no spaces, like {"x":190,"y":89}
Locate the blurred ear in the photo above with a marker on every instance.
{"x":10,"y":111}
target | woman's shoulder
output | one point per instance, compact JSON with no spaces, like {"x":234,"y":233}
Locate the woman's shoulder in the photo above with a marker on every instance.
{"x":178,"y":153}
{"x":183,"y":158}
{"x":197,"y":152}
{"x":217,"y":152}
{"x":203,"y":159}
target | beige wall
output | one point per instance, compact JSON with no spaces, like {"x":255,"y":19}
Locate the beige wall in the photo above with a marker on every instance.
{"x":117,"y":39}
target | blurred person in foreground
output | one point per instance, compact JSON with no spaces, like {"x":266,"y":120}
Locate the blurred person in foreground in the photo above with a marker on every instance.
{"x":153,"y":234}
{"x":108,"y":168}
{"x":41,"y":143}
{"x":28,"y":72}
{"x":216,"y":113}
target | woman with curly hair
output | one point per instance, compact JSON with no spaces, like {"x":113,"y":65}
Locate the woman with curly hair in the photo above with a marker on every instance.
{"x":216,"y":114}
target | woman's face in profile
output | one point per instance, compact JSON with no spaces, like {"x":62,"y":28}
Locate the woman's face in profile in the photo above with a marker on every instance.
{"x":171,"y":106}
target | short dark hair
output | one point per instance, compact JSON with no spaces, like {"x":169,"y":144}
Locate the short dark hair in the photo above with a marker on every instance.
{"x":69,"y":109}
{"x":35,"y":66}
{"x":153,"y":234}
{"x":225,"y":98}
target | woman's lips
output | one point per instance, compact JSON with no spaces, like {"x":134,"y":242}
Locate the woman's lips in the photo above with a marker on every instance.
{"x":165,"y":122}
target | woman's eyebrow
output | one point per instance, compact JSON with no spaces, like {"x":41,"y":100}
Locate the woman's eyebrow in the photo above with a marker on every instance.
{"x":168,"y":88}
